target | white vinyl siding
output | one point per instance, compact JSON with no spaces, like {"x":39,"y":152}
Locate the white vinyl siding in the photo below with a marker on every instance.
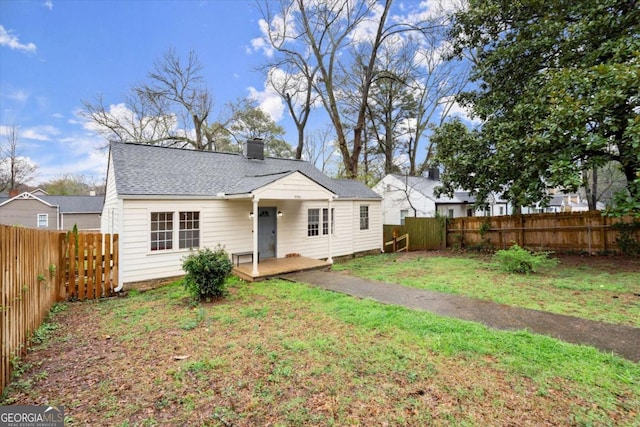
{"x":227,"y":222}
{"x":111,"y":210}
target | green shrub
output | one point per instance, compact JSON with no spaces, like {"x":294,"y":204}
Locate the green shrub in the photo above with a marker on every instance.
{"x":626,"y":240}
{"x":207,"y":271}
{"x":519,"y":260}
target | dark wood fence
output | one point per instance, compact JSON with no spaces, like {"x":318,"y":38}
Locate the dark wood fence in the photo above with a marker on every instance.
{"x":563,"y":232}
{"x":39,"y":268}
{"x":424,"y":233}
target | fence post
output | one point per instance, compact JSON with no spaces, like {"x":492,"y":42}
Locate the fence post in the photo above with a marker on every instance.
{"x":604,"y":233}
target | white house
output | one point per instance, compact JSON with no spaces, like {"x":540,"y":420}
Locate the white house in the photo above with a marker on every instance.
{"x":404,"y":196}
{"x":164,"y":202}
{"x":562,"y":202}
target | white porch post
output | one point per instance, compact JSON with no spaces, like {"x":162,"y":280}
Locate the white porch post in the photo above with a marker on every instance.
{"x":330,"y":258}
{"x":255,"y":236}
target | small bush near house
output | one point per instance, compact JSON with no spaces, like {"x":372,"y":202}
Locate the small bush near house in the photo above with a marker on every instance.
{"x":519,"y":260}
{"x":207,"y":271}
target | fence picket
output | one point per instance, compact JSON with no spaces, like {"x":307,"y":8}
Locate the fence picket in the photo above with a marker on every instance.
{"x":39,"y":268}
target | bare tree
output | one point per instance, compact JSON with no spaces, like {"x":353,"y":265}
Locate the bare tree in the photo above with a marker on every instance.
{"x":15,"y":170}
{"x":172,"y":109}
{"x":325,"y":42}
{"x":292,"y":72}
{"x":319,"y":148}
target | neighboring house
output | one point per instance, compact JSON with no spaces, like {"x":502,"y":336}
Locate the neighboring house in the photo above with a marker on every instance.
{"x":409,"y":196}
{"x":51,"y":212}
{"x":562,"y":202}
{"x":164,"y":202}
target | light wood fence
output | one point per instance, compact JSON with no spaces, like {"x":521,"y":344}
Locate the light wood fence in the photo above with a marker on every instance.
{"x":39,"y":268}
{"x":90,"y":262}
{"x":589,"y":232}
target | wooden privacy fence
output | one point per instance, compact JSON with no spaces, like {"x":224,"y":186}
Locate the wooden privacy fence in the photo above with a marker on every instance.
{"x":564,"y":232}
{"x":90,"y":262}
{"x":38,"y":268}
{"x":424,"y":233}
{"x":578,"y":231}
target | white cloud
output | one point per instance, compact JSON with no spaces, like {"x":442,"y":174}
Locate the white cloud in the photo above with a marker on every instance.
{"x":453,"y":109}
{"x":39,"y":133}
{"x":57,"y":115}
{"x":365,"y":31}
{"x":82,"y":156}
{"x":18,"y":95}
{"x":277,"y":32}
{"x":11,"y":41}
{"x":48,"y":4}
{"x":268,"y":101}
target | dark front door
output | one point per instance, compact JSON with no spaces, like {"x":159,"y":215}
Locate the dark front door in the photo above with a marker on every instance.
{"x":267,"y":232}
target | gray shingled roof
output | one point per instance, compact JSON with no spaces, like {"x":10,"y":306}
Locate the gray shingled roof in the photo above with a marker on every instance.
{"x":426,"y":187}
{"x":76,"y":204}
{"x":147,"y":170}
{"x":71,"y":204}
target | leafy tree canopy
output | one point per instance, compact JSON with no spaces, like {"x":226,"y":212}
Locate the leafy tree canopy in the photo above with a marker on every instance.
{"x":558,"y":90}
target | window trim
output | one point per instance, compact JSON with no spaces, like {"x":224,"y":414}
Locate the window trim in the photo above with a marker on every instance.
{"x":364,"y":225}
{"x":175,"y":231}
{"x":322,"y":224}
{"x":325,"y":223}
{"x":46,"y":222}
{"x":403,"y":217}
{"x":194,"y":220}
{"x":313,"y":228}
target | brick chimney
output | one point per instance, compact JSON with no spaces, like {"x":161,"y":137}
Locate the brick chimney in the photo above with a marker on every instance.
{"x":14,"y":192}
{"x":254,"y":149}
{"x":434,"y":174}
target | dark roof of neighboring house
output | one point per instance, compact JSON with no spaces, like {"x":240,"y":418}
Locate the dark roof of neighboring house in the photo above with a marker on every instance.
{"x":70,"y":204}
{"x":142,"y":169}
{"x":76,"y":204}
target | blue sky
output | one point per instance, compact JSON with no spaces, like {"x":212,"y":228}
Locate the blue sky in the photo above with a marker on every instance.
{"x":55,"y":53}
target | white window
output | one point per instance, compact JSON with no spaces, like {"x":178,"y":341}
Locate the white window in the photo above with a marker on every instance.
{"x":313,"y":222}
{"x":43,"y":220}
{"x":189,"y":235}
{"x":325,"y":221}
{"x":364,"y":217}
{"x":501,"y":210}
{"x":164,"y":225}
{"x":161,"y":231}
{"x":403,"y":214}
{"x":450,"y":213}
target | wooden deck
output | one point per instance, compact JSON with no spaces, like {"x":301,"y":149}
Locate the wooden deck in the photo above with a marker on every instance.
{"x":272,"y":267}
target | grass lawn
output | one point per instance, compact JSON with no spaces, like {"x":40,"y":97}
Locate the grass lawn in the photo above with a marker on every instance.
{"x":596,"y":288}
{"x":284,"y":354}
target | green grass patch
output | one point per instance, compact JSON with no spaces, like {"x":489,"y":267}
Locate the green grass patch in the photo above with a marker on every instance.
{"x":284,"y":353}
{"x":582,"y":291}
